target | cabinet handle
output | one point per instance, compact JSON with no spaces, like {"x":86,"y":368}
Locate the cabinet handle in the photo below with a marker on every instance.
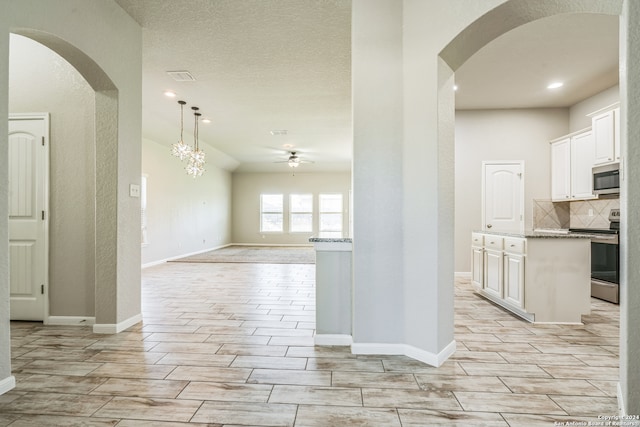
{"x":609,"y":158}
{"x":513,"y":246}
{"x":492,"y":243}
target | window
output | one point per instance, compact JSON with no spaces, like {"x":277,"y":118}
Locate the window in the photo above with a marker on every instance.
{"x":330,"y":215}
{"x":271,"y":213}
{"x":300,"y":213}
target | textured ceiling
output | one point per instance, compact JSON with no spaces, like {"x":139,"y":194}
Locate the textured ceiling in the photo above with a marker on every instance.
{"x":514,"y":70}
{"x":263,"y":65}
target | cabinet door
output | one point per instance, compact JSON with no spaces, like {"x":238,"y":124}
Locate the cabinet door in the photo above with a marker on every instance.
{"x":514,"y":279}
{"x":477,"y":270}
{"x":493,"y":272}
{"x":582,"y":158}
{"x":602,"y":126}
{"x":561,"y":170}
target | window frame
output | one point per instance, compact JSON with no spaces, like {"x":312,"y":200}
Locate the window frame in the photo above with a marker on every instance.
{"x":263,"y":212}
{"x":292,"y":212}
{"x":322,"y":212}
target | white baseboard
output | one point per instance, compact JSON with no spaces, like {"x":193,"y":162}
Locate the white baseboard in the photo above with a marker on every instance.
{"x":173,"y":258}
{"x":462,"y":274}
{"x":427,"y":357}
{"x":114,"y":328}
{"x":7,"y":384}
{"x":333,"y":339}
{"x":70,"y":320}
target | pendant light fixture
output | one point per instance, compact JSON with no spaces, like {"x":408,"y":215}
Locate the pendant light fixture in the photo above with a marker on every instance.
{"x":180,"y":149}
{"x":195,"y":165}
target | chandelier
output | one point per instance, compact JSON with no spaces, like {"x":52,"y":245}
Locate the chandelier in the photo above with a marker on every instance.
{"x":194,"y":156}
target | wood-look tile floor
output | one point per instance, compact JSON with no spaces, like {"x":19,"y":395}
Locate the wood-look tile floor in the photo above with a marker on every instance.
{"x":232,"y":344}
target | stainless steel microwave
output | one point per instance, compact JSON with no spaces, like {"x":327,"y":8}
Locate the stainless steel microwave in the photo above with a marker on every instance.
{"x":606,"y":179}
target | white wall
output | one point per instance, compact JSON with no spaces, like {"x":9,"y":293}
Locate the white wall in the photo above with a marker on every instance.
{"x":41,"y":81}
{"x":184,"y":214}
{"x":247,"y":188}
{"x":578,"y":113}
{"x":522,"y":134}
{"x":105,"y":45}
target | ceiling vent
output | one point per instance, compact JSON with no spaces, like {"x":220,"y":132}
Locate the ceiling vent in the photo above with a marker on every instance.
{"x":279,"y":132}
{"x":181,"y":76}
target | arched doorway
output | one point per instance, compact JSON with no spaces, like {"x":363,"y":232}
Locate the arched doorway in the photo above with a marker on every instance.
{"x":500,"y":20}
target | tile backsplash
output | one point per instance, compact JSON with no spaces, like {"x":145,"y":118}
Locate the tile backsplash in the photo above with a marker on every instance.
{"x":578,"y":214}
{"x":547,"y":214}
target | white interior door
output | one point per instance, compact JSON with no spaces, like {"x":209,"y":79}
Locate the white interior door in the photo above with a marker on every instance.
{"x":503,"y":196}
{"x":28,"y":201}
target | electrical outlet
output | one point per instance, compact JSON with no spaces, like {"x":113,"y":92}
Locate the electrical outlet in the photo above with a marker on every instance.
{"x":590,"y":212}
{"x":134,"y":190}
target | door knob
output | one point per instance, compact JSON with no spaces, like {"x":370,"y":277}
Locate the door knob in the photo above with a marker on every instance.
{"x":489,"y":225}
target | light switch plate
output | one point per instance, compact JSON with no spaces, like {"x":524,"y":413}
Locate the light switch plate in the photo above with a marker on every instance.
{"x":134,"y":190}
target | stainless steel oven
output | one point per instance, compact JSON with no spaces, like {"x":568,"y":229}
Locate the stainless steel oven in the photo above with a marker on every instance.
{"x":605,"y":259}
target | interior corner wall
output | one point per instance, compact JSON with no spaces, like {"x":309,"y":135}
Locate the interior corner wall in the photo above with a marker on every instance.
{"x":184,"y":215}
{"x":5,"y":331}
{"x":247,"y":188}
{"x":578,"y":119}
{"x":518,"y":134}
{"x":629,"y":387}
{"x":41,"y":81}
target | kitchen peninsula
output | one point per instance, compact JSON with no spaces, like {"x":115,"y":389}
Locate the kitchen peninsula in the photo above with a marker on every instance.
{"x":541,"y":276}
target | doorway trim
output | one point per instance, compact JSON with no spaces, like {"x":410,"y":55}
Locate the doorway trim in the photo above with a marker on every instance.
{"x":46,"y":206}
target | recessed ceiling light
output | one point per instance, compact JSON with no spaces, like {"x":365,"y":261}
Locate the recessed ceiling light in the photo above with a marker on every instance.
{"x":170,"y":93}
{"x":555,"y":85}
{"x":287,"y":146}
{"x":206,"y":120}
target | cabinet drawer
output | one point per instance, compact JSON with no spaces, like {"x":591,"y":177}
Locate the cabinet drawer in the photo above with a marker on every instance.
{"x":514,"y":245}
{"x":477,"y":239}
{"x":493,"y":242}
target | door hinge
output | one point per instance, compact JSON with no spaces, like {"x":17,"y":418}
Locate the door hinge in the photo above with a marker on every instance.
{"x":42,"y":289}
{"x":43,"y":141}
{"x":43,"y":215}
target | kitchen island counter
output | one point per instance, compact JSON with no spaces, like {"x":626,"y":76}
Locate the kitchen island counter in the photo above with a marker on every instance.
{"x":560,"y":233}
{"x":543,"y":277}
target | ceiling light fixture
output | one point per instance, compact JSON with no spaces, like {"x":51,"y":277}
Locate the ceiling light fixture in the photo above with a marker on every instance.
{"x":180,"y":149}
{"x":294,"y":161}
{"x":555,"y":85}
{"x":195,"y":166}
{"x":170,"y":93}
{"x":206,"y":121}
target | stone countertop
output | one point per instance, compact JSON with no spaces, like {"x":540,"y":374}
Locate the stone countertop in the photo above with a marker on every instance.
{"x":331,"y":240}
{"x":539,"y":234}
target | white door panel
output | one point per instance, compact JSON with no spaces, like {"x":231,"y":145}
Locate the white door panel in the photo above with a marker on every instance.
{"x":503,"y":196}
{"x":28,"y":195}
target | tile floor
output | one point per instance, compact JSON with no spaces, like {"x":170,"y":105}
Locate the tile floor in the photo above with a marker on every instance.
{"x":232,"y":344}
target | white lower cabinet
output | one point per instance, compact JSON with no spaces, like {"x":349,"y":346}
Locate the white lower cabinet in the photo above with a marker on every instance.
{"x":477,"y":259}
{"x":539,"y":279}
{"x":493,"y":246}
{"x":514,"y":279}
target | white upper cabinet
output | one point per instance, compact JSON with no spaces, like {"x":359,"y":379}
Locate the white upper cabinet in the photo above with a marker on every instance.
{"x":582,"y":155}
{"x":571,"y":162}
{"x":606,"y":133}
{"x":561,"y":170}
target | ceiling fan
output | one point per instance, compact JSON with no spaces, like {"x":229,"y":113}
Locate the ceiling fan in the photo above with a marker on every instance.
{"x":294,"y":161}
